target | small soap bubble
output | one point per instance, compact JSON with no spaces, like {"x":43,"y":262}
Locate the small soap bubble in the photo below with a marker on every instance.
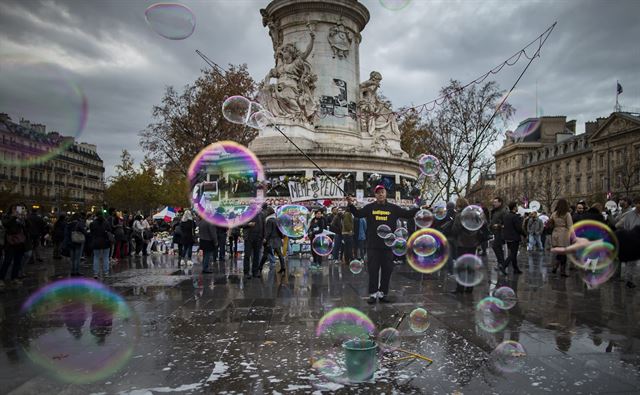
{"x":508,"y":297}
{"x":383,"y":231}
{"x":491,"y":315}
{"x":468,"y":270}
{"x":509,"y":357}
{"x":401,"y":233}
{"x":440,"y":210}
{"x":322,"y":245}
{"x":356,"y":266}
{"x":237,"y":109}
{"x":170,"y":20}
{"x":389,"y":339}
{"x":419,"y":320}
{"x":423,"y":218}
{"x":472,"y":218}
{"x":399,"y":247}
{"x":428,"y":165}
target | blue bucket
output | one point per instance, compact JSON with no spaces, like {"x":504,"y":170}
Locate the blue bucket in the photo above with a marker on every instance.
{"x":361,"y":359}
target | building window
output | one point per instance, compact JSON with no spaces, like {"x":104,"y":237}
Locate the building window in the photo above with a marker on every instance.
{"x":578,"y":189}
{"x":589,"y":183}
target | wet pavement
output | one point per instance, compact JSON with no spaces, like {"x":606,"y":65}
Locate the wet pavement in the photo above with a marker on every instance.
{"x":220,"y":333}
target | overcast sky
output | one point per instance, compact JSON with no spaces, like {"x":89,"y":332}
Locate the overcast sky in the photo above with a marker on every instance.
{"x":123,"y":67}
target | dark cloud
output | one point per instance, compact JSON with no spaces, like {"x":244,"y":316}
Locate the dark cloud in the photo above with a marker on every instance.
{"x":124,"y":67}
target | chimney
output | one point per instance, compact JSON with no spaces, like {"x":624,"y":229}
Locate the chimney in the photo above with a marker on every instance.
{"x":590,"y":127}
{"x":25,"y":123}
{"x":40,"y":128}
{"x":571,"y":125}
{"x":4,"y":117}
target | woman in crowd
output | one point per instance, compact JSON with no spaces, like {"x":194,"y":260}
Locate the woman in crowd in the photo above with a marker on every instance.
{"x":187,"y":237}
{"x":208,"y":244}
{"x":100,"y":245}
{"x":273,"y":240}
{"x":15,"y":239}
{"x":140,"y":234}
{"x":561,"y":223}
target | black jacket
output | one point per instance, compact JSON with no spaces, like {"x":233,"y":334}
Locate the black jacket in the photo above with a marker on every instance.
{"x":316,"y":226}
{"x":496,"y":224}
{"x":99,"y":238}
{"x":255,"y":232}
{"x":378,"y":214}
{"x":187,"y":232}
{"x":512,"y":230}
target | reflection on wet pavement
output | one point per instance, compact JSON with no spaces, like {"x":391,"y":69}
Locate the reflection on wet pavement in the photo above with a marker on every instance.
{"x":220,"y":332}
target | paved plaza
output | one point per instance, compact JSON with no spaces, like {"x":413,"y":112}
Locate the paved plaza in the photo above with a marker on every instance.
{"x":220,"y":333}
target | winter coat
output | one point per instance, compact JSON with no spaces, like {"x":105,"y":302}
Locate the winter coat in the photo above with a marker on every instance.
{"x":58,"y":230}
{"x":347,"y":224}
{"x":316,"y":226}
{"x":336,"y":224}
{"x":464,"y":237}
{"x":561,"y":227}
{"x":35,"y":225}
{"x":534,"y":226}
{"x":497,"y":222}
{"x":272,"y":234}
{"x":187,"y":232}
{"x":14,"y":226}
{"x":378,"y":214}
{"x":99,"y":236}
{"x":629,"y":246}
{"x":208,"y":236}
{"x":512,"y":230}
{"x":74,"y":226}
{"x":593,"y":215}
{"x":255,"y":232}
{"x":631,"y":220}
{"x":362,"y":229}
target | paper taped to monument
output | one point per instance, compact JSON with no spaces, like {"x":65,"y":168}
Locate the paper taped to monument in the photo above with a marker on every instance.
{"x":315,"y":189}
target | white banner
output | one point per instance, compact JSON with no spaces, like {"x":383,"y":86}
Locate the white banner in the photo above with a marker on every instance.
{"x":315,"y":189}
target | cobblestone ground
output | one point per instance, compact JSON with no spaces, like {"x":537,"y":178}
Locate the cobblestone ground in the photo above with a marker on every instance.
{"x":220,"y":333}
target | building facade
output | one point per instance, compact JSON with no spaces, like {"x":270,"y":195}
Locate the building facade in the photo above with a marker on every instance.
{"x":484,"y":190}
{"x":69,"y":181}
{"x":552,"y":162}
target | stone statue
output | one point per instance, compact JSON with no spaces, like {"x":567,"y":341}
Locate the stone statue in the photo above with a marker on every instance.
{"x":274,"y":32}
{"x":376,"y":115}
{"x":292,"y":96}
{"x":340,"y":40}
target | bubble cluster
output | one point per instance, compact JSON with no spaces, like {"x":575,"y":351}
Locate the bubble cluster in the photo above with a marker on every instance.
{"x":597,"y":255}
{"x":423,"y":218}
{"x":389,"y":339}
{"x":81,"y":331}
{"x":226,"y":183}
{"x":171,"y":20}
{"x":428,"y":165}
{"x":491,"y":315}
{"x":440,"y":210}
{"x":472,"y":218}
{"x":46,"y":92}
{"x":383,"y":231}
{"x":508,"y":297}
{"x":344,"y":323}
{"x":419,"y":320}
{"x":356,"y":266}
{"x":399,"y":247}
{"x":389,"y":240}
{"x":468,"y":270}
{"x":401,"y":233}
{"x":509,"y":356}
{"x":322,"y":245}
{"x":421,"y":254}
{"x":292,"y":220}
{"x":242,"y":111}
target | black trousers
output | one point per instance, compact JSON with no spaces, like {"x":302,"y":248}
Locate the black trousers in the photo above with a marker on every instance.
{"x":252,"y":256}
{"x":496,"y":245}
{"x":512,"y":259}
{"x":380,"y":266}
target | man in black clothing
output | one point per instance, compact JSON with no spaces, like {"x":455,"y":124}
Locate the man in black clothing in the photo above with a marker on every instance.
{"x":380,"y":257}
{"x":497,"y":224}
{"x":512,"y":232}
{"x":253,"y":233}
{"x":35,"y":228}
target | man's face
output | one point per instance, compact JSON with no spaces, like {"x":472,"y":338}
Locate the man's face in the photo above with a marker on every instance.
{"x":623,"y":204}
{"x":381,"y":195}
{"x":318,"y":214}
{"x":334,"y":211}
{"x":496,"y":203}
{"x":579,"y":208}
{"x":638,"y":207}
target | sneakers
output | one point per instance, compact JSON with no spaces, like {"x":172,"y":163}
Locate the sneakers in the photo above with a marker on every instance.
{"x":373,"y":298}
{"x":189,"y":263}
{"x":385,"y":299}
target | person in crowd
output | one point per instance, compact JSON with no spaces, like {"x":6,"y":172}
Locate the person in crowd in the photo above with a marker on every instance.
{"x":36,"y":229}
{"x":594,"y":213}
{"x":140,"y":225}
{"x":580,"y":211}
{"x":498,"y":213}
{"x":88,"y":219}
{"x":484,"y":244}
{"x":625,"y":205}
{"x":187,"y":237}
{"x":628,"y":222}
{"x":221,"y":242}
{"x":561,"y":223}
{"x":2,"y":237}
{"x":467,"y":241}
{"x":75,"y":236}
{"x":361,"y":243}
{"x":512,"y":233}
{"x":176,"y":233}
{"x":58,"y":235}
{"x":100,"y":245}
{"x":316,"y":227}
{"x":347,"y":236}
{"x":121,"y":249}
{"x":534,"y":230}
{"x":335,"y":226}
{"x":208,"y":244}
{"x":380,"y":259}
{"x":253,"y":233}
{"x":234,"y":234}
{"x":272,"y":241}
{"x":15,"y":239}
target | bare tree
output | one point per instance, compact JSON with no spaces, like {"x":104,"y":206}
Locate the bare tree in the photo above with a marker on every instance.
{"x":629,"y":174}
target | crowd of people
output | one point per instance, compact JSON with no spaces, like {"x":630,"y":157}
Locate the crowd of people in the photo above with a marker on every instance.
{"x":107,"y":239}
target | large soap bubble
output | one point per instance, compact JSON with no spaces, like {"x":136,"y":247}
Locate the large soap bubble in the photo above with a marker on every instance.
{"x":468,"y":270}
{"x":171,"y":20}
{"x":472,"y":218}
{"x":79,"y":330}
{"x":509,"y":356}
{"x":507,"y":295}
{"x":597,"y":255}
{"x":419,"y":320}
{"x":427,"y":258}
{"x":423,"y":218}
{"x":322,"y":245}
{"x":226,"y":183}
{"x":491,"y":315}
{"x":383,"y":231}
{"x":292,"y":220}
{"x":428,"y":165}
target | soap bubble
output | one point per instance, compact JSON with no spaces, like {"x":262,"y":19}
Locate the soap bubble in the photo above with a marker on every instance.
{"x":472,"y":218}
{"x":80,"y":330}
{"x":418,"y":255}
{"x":528,"y":120}
{"x":598,"y":255}
{"x":171,"y":20}
{"x":401,"y":233}
{"x":383,"y":231}
{"x":507,"y":296}
{"x":356,"y":266}
{"x":226,"y":182}
{"x":389,"y":240}
{"x":419,"y":320}
{"x":428,"y":165}
{"x":423,"y":218}
{"x":593,"y":278}
{"x":344,"y":323}
{"x":440,"y":210}
{"x":261,"y":119}
{"x":237,"y":109}
{"x":491,"y":315}
{"x":389,"y":339}
{"x":328,"y":368}
{"x":292,"y":220}
{"x":44,"y":91}
{"x":509,"y":356}
{"x":425,"y":245}
{"x":399,"y":247}
{"x":322,"y":245}
{"x":468,"y":270}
